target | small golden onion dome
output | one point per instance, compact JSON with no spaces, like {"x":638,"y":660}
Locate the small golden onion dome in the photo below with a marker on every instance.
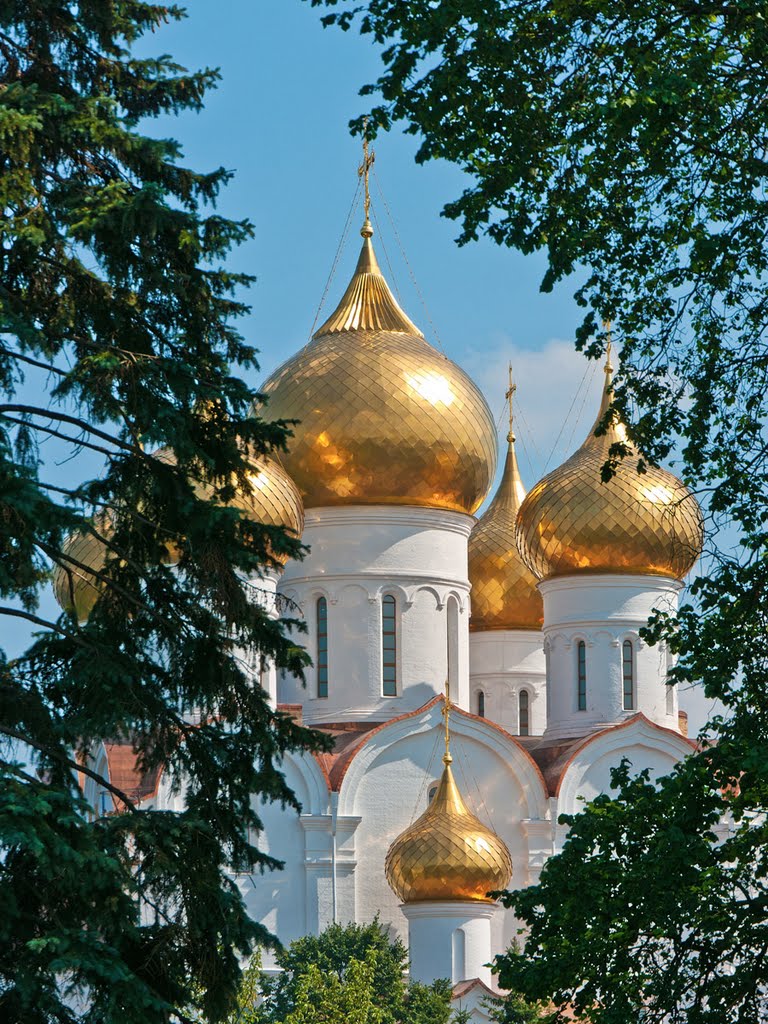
{"x":383,"y":417}
{"x":447,"y":854}
{"x":572,"y":522}
{"x":75,"y":586}
{"x":504,"y":592}
{"x":274,"y":499}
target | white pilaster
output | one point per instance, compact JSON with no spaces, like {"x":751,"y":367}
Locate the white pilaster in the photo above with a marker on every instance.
{"x":262,"y":590}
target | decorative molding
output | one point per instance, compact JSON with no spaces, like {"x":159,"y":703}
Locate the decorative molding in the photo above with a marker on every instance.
{"x":389,"y":515}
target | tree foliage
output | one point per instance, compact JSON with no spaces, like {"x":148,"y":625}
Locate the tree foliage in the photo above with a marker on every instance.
{"x":627,"y":142}
{"x":118,"y":336}
{"x":350,"y":971}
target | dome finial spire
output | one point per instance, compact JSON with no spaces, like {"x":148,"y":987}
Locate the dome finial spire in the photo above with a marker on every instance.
{"x":446,"y":713}
{"x":510,"y":394}
{"x":363,"y":171}
{"x":608,"y":347}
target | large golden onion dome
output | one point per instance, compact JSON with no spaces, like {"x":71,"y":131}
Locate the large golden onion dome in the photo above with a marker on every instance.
{"x":274,"y":501}
{"x":447,"y":854}
{"x":383,"y":417}
{"x":504,"y":592}
{"x":572,"y":522}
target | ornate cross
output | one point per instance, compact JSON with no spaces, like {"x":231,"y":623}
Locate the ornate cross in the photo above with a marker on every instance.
{"x":363,"y":170}
{"x":446,"y":713}
{"x":510,"y":392}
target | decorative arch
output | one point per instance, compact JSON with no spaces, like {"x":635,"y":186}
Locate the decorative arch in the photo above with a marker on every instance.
{"x":637,"y":733}
{"x":393,"y":588}
{"x":428,"y":589}
{"x":481,"y":730}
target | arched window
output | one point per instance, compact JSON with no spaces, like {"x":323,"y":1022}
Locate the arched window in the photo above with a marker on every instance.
{"x":581,"y":669}
{"x":628,"y":675}
{"x":523,"y":709}
{"x":389,"y":646}
{"x":481,"y":704}
{"x":670,"y":699}
{"x":322,"y":647}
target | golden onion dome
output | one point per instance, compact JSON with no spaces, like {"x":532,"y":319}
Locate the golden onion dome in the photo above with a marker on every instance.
{"x":504,"y":592}
{"x":75,"y":586}
{"x":383,"y":417}
{"x":572,"y":522}
{"x":273,"y":501}
{"x":447,"y":854}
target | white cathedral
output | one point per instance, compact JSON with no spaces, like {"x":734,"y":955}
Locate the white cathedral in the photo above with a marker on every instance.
{"x":529,"y":617}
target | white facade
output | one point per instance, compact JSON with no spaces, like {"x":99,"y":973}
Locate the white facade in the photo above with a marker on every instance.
{"x":360,"y":555}
{"x":454,"y":932}
{"x":600,"y":671}
{"x":507,"y":678}
{"x":355,"y":805}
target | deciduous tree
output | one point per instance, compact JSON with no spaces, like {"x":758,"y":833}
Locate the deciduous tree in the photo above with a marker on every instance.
{"x":627,"y":142}
{"x":355,"y":966}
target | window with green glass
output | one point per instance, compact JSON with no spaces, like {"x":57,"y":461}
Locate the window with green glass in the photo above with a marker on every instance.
{"x":628,"y":675}
{"x":322,"y":647}
{"x":581,"y":667}
{"x":523,"y":710}
{"x":389,"y":646}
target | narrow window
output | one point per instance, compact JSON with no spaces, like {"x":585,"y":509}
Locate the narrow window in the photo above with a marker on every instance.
{"x":452,"y":635}
{"x":481,"y":704}
{"x":322,"y":647}
{"x":670,"y":700}
{"x":628,"y":675}
{"x":523,"y":699}
{"x":389,"y":646}
{"x":581,"y":661}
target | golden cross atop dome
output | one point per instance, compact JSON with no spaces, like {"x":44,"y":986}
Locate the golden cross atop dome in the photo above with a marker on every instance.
{"x":608,"y":346}
{"x":363,"y":171}
{"x":510,"y":392}
{"x":446,"y":713}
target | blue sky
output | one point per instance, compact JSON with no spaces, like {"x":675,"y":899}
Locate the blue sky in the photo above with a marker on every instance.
{"x":279,"y":120}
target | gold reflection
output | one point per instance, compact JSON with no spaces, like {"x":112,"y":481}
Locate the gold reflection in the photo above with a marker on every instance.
{"x":433,"y":387}
{"x":383,"y":417}
{"x":635,"y":523}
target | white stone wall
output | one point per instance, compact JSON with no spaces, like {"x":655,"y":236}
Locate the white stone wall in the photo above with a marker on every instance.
{"x":603,"y":611}
{"x":262,"y":590}
{"x":358,"y":555}
{"x":451,"y":935}
{"x":502,"y":662}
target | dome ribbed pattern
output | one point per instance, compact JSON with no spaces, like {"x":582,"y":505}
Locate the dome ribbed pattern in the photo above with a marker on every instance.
{"x":383,"y":417}
{"x":74,"y":587}
{"x":447,"y":854}
{"x":572,"y":522}
{"x":504,"y":594}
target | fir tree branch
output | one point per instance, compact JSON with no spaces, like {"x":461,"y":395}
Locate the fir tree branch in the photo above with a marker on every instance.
{"x":44,"y":748}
